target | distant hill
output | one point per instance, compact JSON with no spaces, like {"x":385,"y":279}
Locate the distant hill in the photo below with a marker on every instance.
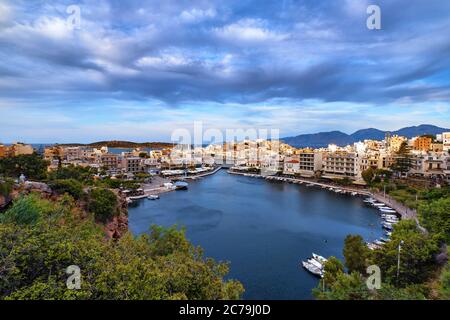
{"x":323,"y":139}
{"x":123,"y":144}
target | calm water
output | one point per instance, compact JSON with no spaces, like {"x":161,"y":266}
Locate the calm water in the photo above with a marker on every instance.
{"x":263,"y":228}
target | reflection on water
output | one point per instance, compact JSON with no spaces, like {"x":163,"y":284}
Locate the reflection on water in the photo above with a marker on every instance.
{"x":263,"y":228}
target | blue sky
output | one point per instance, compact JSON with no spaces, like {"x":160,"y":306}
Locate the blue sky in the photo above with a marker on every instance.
{"x":138,"y":70}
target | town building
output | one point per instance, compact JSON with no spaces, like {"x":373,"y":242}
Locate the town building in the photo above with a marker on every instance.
{"x":422,"y":143}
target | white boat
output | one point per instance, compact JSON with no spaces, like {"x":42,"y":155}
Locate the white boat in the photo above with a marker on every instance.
{"x":391,"y":221}
{"x":354,"y":193}
{"x":377,"y":204}
{"x":313,"y":269}
{"x":337,"y":190}
{"x":153,"y":197}
{"x":369,"y":200}
{"x":142,"y":196}
{"x":379,"y":243}
{"x":387,"y":210}
{"x":387,"y":225}
{"x":321,"y":259}
{"x":315,"y":263}
{"x":387,"y":216}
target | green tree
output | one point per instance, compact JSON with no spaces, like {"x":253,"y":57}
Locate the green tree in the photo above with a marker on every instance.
{"x":355,"y":253}
{"x":416,"y":256}
{"x":102,"y":203}
{"x":25,"y":210}
{"x":403,"y":160}
{"x":159,"y":265}
{"x":368,"y":175}
{"x":70,"y":186}
{"x":435,"y":217}
{"x":33,"y":166}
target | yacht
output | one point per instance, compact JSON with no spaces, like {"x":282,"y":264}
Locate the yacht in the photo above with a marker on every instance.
{"x":387,"y":210}
{"x":316,"y":263}
{"x":153,"y":197}
{"x":387,"y":225}
{"x":321,"y":259}
{"x":181,"y":185}
{"x":313,"y":269}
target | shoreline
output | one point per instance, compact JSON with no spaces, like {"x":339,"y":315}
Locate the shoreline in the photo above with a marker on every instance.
{"x":404,"y":212}
{"x":161,"y":189}
{"x":303,"y":181}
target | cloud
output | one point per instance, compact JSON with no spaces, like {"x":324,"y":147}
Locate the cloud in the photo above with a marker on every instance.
{"x":187,"y":54}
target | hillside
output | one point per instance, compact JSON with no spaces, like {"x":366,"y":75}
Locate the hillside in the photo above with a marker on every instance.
{"x":323,"y":139}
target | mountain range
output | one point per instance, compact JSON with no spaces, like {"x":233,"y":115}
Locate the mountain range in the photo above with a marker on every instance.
{"x":323,"y":139}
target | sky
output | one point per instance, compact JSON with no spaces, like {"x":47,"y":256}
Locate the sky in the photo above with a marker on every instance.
{"x":138,"y":70}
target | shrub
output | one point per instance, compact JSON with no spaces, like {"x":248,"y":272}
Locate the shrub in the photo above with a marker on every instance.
{"x":103,"y":204}
{"x":70,"y":186}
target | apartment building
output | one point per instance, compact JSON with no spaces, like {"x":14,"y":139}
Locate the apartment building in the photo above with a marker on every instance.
{"x":132,"y":164}
{"x":422,"y":143}
{"x":341,"y":164}
{"x":446,"y":141}
{"x":110,"y":161}
{"x":72,"y":153}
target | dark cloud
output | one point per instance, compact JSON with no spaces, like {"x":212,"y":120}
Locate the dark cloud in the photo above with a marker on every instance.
{"x":233,"y":51}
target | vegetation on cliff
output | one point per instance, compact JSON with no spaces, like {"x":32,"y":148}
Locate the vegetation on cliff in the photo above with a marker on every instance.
{"x":40,"y":238}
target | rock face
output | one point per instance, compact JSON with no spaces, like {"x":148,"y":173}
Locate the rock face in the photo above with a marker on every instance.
{"x":37,"y":186}
{"x":116,"y":227}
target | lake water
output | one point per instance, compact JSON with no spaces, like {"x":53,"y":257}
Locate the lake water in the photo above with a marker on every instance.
{"x":263,"y":228}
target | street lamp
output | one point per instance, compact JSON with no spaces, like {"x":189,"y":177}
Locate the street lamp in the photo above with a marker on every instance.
{"x":398,"y":259}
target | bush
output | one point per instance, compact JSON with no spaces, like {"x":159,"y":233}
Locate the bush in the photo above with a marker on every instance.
{"x":25,"y":210}
{"x":160,"y":265}
{"x":70,"y":186}
{"x":103,"y":204}
{"x":33,"y":166}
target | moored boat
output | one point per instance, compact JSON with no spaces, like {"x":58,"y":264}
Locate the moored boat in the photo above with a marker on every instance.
{"x":319,"y":258}
{"x":312,"y":268}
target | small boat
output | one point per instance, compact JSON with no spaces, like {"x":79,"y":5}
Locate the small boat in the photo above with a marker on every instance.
{"x":129,"y":200}
{"x":387,"y":225}
{"x":369,"y":200}
{"x":379,"y":242}
{"x":388,"y":233}
{"x":387,"y":210}
{"x":377,"y":204}
{"x":354,"y":193}
{"x":142,"y":196}
{"x":321,"y":259}
{"x":313,"y":269}
{"x":315,"y":263}
{"x":385,"y":240}
{"x":391,"y":221}
{"x":153,"y":197}
{"x":181,"y":185}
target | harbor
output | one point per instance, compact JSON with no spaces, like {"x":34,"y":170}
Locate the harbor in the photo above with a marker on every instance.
{"x":249,"y":222}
